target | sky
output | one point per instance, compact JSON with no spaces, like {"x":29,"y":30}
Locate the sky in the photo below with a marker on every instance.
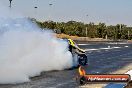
{"x":111,"y":12}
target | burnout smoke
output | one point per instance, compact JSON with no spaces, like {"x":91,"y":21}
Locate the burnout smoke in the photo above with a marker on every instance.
{"x":26,"y":51}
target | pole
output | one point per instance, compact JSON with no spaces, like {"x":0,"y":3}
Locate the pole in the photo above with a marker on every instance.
{"x":120,"y":27}
{"x":86,"y":31}
{"x":35,"y":10}
{"x":10,"y":3}
{"x":120,"y":31}
{"x":128,"y":34}
{"x":50,"y":6}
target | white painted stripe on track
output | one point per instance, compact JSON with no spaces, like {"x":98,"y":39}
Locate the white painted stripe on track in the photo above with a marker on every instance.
{"x":116,"y":47}
{"x":106,"y":43}
{"x":83,"y":44}
{"x":117,"y":43}
{"x":102,"y":49}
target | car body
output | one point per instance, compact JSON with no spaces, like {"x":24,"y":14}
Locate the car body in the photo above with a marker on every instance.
{"x":78,"y":54}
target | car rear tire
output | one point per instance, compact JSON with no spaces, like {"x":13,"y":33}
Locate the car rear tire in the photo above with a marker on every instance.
{"x":82,"y":80}
{"x":82,"y":59}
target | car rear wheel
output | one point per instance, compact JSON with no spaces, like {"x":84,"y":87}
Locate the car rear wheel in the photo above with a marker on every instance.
{"x":82,"y":80}
{"x":82,"y":59}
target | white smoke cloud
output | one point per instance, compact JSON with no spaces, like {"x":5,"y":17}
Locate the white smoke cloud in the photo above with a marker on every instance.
{"x":26,"y":51}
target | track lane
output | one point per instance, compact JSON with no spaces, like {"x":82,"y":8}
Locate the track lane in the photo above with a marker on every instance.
{"x":99,"y":62}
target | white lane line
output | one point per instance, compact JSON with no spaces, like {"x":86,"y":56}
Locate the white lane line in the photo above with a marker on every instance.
{"x":106,"y":43}
{"x":102,"y":49}
{"x":116,"y":47}
{"x":83,"y":44}
{"x":91,"y":49}
{"x":117,"y":43}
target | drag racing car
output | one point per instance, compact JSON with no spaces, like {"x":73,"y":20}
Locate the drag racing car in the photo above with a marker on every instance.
{"x":78,"y":54}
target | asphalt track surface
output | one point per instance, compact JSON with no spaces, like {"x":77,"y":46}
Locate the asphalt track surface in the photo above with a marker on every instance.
{"x":102,"y":58}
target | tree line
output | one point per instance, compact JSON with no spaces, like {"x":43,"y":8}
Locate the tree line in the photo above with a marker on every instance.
{"x":119,"y":31}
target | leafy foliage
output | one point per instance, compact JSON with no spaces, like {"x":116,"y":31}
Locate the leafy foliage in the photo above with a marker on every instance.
{"x":119,"y":31}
